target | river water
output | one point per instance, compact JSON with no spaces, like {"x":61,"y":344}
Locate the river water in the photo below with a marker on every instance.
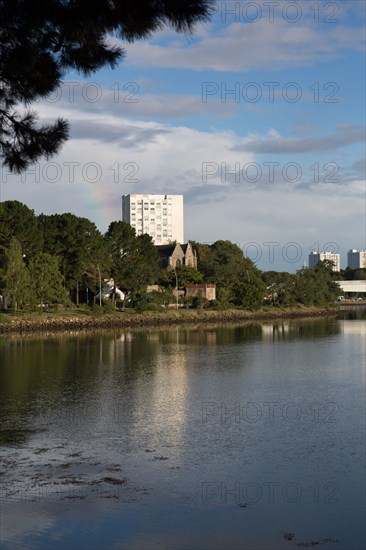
{"x":243,"y":436}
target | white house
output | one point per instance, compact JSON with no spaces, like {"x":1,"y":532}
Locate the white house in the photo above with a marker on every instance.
{"x":107,"y":290}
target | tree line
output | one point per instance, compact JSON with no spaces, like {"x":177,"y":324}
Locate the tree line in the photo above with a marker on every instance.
{"x":56,"y":259}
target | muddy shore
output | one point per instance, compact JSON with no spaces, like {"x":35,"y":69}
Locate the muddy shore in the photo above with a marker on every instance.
{"x":63,"y":322}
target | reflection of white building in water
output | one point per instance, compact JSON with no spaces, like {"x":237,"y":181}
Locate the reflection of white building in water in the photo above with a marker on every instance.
{"x":168,"y":397}
{"x":272,"y":332}
{"x":159,"y":401}
{"x":353,"y":327}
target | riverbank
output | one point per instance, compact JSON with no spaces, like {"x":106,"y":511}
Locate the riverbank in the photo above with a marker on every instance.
{"x":62,"y":321}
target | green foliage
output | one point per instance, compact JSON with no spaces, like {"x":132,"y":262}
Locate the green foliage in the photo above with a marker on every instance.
{"x":360,"y":274}
{"x":198,"y":301}
{"x":315,"y":286}
{"x":17,"y":220}
{"x":248,"y":294}
{"x":186,"y":275}
{"x":223,"y":263}
{"x":42,"y":40}
{"x":75,"y":254}
{"x":134,"y":259}
{"x":46,"y":280}
{"x":223,"y":298}
{"x":150,"y":301}
{"x":280,"y":287}
{"x":139,"y":300}
{"x":15,"y":277}
{"x":108,"y":306}
{"x":353,"y":274}
{"x":309,"y":286}
{"x":79,"y":246}
{"x":119,"y":237}
{"x":161,"y":298}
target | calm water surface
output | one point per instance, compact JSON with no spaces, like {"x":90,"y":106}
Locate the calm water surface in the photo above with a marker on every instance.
{"x":237,"y":437}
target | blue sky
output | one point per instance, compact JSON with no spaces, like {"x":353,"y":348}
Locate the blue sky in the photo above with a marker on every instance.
{"x":258,"y":119}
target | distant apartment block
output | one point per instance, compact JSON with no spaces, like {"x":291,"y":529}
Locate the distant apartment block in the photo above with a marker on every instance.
{"x":356,"y":259}
{"x":315,"y":257}
{"x":160,"y":216}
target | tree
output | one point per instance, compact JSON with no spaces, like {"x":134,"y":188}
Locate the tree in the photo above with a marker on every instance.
{"x":349,"y":274}
{"x":138,"y":266}
{"x":119,"y":237}
{"x":279,"y":287}
{"x":248,"y":293}
{"x":224,"y":264}
{"x":79,"y":246}
{"x":19,"y":221}
{"x":134,"y":260}
{"x":15,"y":276}
{"x":41,"y":40}
{"x":315,"y":286}
{"x":186,"y":275}
{"x":46,"y":279}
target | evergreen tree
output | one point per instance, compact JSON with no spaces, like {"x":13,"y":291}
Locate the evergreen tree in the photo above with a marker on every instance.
{"x":46,"y":280}
{"x":134,"y":260}
{"x":15,"y":277}
{"x":19,"y":221}
{"x":138,"y":267}
{"x":78,"y":245}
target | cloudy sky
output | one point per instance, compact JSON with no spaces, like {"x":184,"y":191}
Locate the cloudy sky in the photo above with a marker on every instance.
{"x":258,"y":119}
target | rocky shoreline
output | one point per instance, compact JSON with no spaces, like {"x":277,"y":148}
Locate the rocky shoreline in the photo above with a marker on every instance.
{"x":59,"y":323}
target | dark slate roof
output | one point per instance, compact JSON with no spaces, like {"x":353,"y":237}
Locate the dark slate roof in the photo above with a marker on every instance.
{"x":165,"y":250}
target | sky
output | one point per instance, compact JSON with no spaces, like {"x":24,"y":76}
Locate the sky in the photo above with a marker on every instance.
{"x":257,"y":118}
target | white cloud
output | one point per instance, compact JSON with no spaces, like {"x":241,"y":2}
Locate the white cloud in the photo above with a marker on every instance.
{"x":130,"y":99}
{"x":113,"y":156}
{"x":274,"y":143}
{"x":171,"y":160}
{"x":279,"y":219}
{"x":244,"y":47}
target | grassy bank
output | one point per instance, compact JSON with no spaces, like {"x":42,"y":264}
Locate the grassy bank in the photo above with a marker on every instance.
{"x":83,"y":319}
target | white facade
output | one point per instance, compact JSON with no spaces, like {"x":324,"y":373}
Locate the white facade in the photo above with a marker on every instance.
{"x":160,"y":216}
{"x":315,"y":257}
{"x":356,"y":259}
{"x":107,"y":289}
{"x":358,"y":287}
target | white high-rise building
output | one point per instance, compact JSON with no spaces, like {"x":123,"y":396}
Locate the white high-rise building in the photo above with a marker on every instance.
{"x":356,"y":259}
{"x":315,"y":257}
{"x":160,"y":216}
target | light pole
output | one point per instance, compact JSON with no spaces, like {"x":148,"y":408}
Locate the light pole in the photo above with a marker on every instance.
{"x":100,"y":286}
{"x":176,"y":287}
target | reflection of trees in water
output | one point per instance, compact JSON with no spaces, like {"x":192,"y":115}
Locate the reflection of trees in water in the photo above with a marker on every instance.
{"x":40,"y":373}
{"x":211,"y":335}
{"x":352,"y":313}
{"x":307,"y":329}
